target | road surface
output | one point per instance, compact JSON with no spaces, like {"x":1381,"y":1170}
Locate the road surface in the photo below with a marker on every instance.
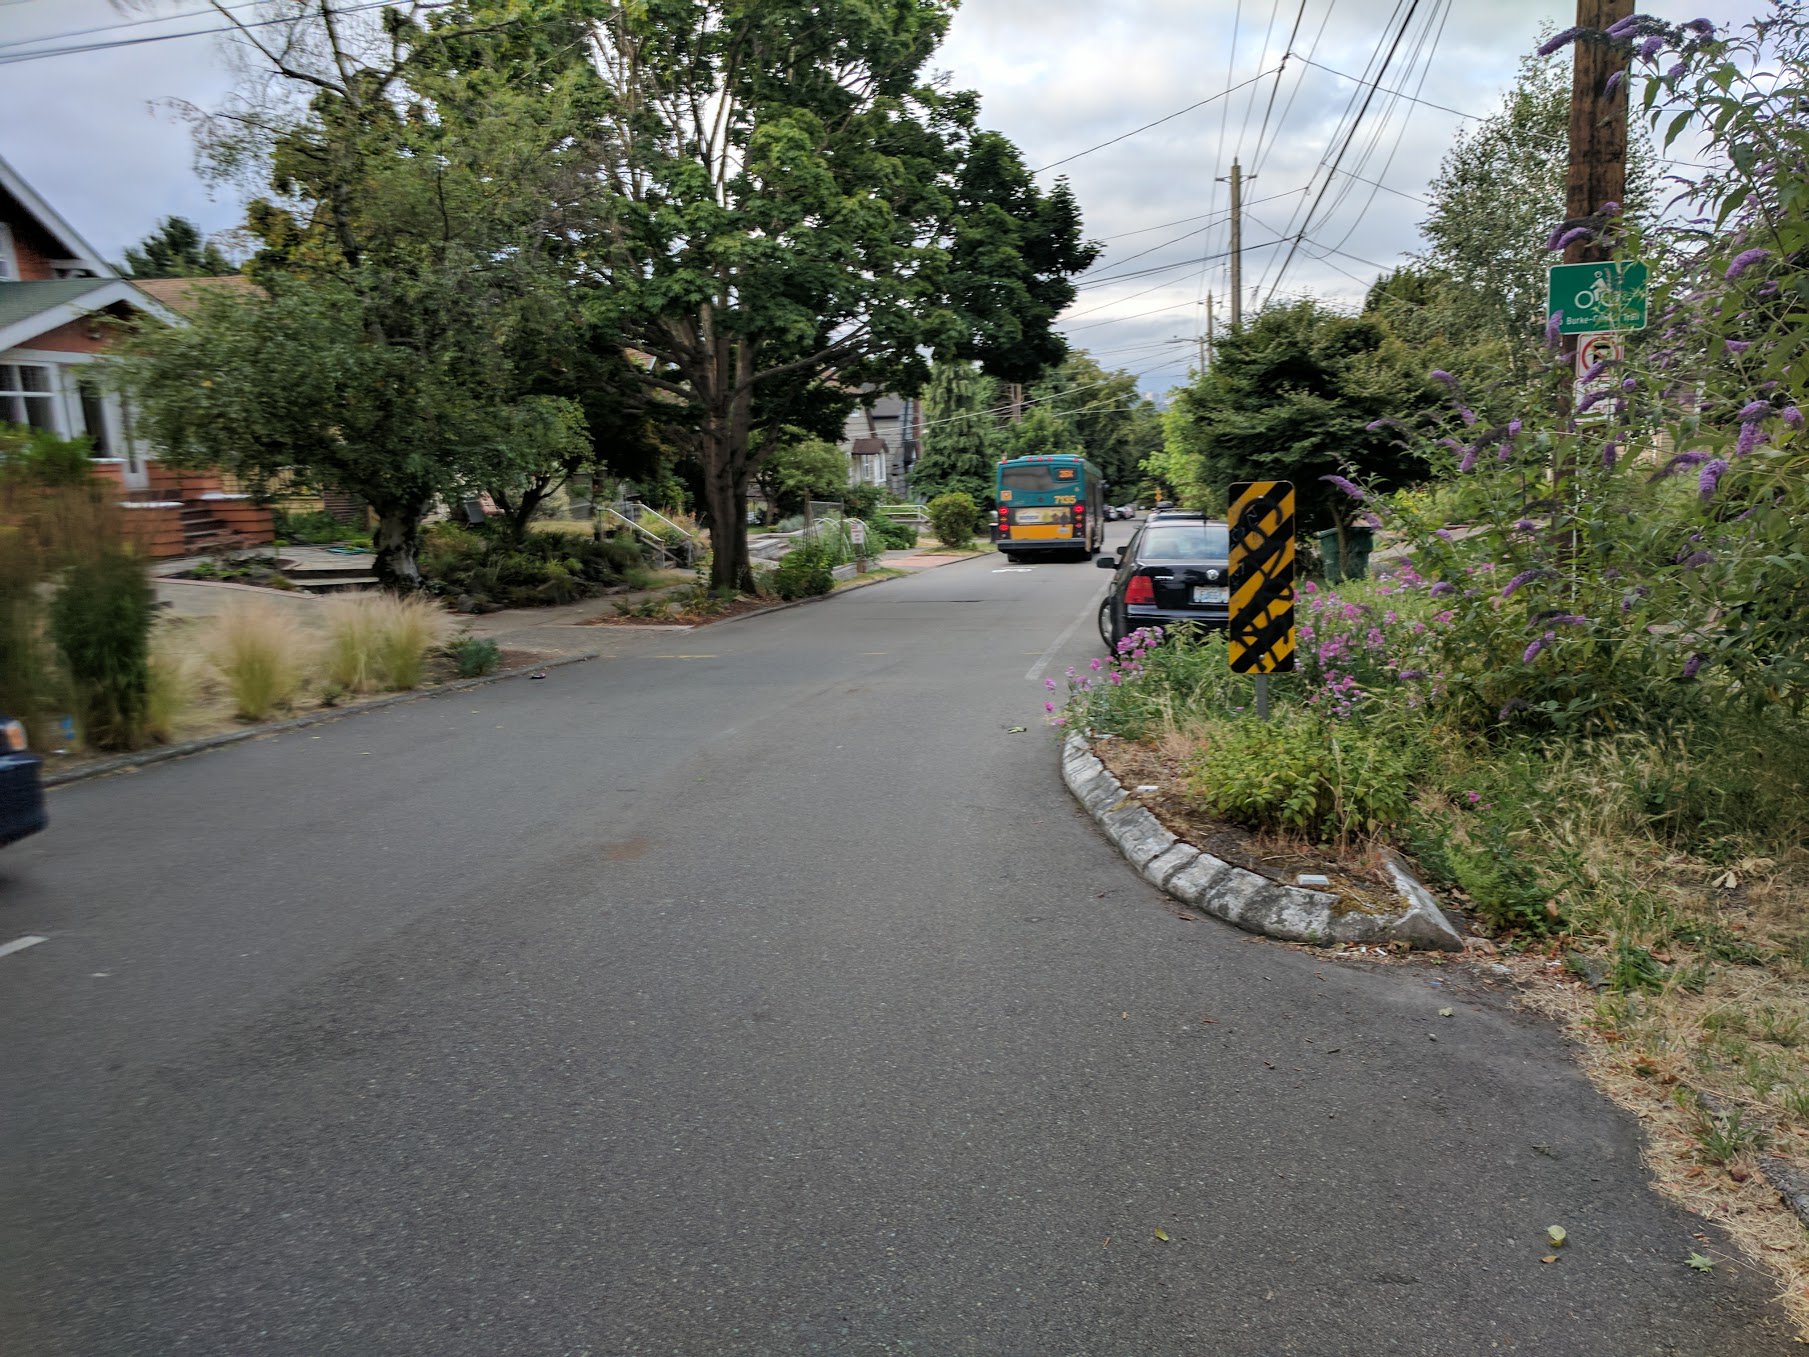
{"x":756,"y":989}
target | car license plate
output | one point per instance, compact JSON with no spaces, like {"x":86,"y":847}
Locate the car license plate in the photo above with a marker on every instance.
{"x":1211,"y":593}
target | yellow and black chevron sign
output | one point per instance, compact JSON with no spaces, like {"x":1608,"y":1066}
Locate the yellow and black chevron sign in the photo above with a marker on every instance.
{"x":1262,"y":577}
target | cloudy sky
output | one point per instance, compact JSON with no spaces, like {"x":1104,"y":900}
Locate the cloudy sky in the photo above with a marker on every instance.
{"x":95,"y":132}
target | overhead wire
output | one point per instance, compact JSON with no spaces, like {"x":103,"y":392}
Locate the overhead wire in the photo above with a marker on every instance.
{"x":1167,"y":117}
{"x":1307,"y":221}
{"x":237,"y":26}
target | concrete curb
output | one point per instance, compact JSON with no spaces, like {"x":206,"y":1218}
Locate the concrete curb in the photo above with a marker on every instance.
{"x":801,"y":602}
{"x":146,"y":757}
{"x":1238,"y":896}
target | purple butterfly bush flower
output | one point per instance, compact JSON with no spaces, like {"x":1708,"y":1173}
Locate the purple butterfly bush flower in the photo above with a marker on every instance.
{"x":1593,"y":399}
{"x":1745,"y":260}
{"x":1570,"y":237}
{"x":1525,"y":525}
{"x":1442,"y":588}
{"x":1594,"y":370}
{"x":1513,"y":430}
{"x":1702,"y":28}
{"x":1339,"y":483}
{"x":1569,"y":620}
{"x":1559,"y":40}
{"x":1678,"y":462}
{"x":1629,"y":384}
{"x":1466,"y":414}
{"x":1693,"y":665}
{"x":1676,"y":70}
{"x":1532,"y":652}
{"x":1709,"y":479}
{"x":1524,"y":577}
{"x":1649,"y":48}
{"x":1751,"y":435}
{"x":1753,"y":411}
{"x":1614,"y":82}
{"x":1791,"y":416}
{"x":1469,"y":460}
{"x":1440,"y":375}
{"x":1553,"y":330}
{"x":1738,"y":345}
{"x":1611,"y":451}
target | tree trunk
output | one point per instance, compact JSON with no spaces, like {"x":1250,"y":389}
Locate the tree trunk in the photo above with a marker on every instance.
{"x":397,"y":543}
{"x":730,"y":567}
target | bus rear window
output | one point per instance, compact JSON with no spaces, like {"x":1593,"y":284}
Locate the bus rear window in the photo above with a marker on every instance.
{"x":1037,"y":478}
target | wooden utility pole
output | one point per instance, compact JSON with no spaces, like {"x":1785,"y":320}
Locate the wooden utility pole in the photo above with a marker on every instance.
{"x":1598,"y":131}
{"x":1237,"y":244}
{"x":1014,"y":397}
{"x":1206,"y":339}
{"x":1597,"y":177}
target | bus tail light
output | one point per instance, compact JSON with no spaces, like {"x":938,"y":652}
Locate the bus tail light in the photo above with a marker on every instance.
{"x":1140,"y":591}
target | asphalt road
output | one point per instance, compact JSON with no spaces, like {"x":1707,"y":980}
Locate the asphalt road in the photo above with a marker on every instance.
{"x":755,"y":990}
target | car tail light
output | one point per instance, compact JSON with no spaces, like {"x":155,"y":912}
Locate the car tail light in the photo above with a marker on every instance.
{"x":1140,"y":591}
{"x":12,"y":737}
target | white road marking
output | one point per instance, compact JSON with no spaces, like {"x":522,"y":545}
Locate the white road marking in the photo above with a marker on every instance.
{"x":1014,"y":570}
{"x":1042,"y":661}
{"x":20,"y":944}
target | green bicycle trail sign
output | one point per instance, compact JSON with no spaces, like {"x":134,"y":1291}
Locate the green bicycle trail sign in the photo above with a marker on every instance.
{"x":1596,"y":298}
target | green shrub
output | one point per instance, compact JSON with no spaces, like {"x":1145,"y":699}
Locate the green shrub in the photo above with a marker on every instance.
{"x":316,"y":528}
{"x":101,"y":624}
{"x":475,"y":656}
{"x":539,"y":568}
{"x":805,"y":572}
{"x":262,"y":654}
{"x":955,"y":518}
{"x":892,"y":536}
{"x":1297,"y":774}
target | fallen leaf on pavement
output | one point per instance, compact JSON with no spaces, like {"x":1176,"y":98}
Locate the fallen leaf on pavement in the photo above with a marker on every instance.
{"x":1446,"y":1012}
{"x":1556,"y":1234}
{"x":1162,"y":1234}
{"x":1700,"y":1263}
{"x":1017,"y":730}
{"x":1549,"y":1258}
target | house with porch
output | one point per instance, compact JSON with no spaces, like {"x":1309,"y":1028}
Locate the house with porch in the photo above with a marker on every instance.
{"x":881,"y":437}
{"x":60,"y":305}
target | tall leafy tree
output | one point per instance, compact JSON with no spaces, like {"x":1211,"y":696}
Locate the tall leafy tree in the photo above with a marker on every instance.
{"x":176,"y":249}
{"x":417,"y":331}
{"x":960,"y":434}
{"x":796,"y":196}
{"x":1114,"y":424}
{"x":1291,"y":396}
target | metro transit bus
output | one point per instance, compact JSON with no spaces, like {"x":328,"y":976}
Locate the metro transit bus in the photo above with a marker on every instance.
{"x":1051,"y":505}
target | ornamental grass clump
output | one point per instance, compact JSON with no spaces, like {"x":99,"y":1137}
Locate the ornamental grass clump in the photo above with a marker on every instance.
{"x":262,"y":654}
{"x":404,"y":632}
{"x":349,"y":656}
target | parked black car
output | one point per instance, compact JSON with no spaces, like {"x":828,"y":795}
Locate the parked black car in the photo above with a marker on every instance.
{"x":21,"y":794}
{"x":1176,"y":571}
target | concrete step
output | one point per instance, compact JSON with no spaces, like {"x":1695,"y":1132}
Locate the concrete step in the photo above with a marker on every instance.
{"x":340,"y":584}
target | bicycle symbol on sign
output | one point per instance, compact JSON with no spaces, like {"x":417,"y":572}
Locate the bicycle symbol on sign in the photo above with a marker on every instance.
{"x":1597,"y":297}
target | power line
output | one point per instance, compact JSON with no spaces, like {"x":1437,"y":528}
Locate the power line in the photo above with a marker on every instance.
{"x":114,"y":28}
{"x":236,"y":27}
{"x":1168,"y":117}
{"x":1160,"y":268}
{"x":1307,"y":221}
{"x":1412,"y":99}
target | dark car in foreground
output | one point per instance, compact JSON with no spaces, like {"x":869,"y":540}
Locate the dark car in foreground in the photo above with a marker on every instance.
{"x":1176,"y":571}
{"x":21,"y":793}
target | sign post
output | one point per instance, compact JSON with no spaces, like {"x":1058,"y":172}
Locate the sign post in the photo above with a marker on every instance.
{"x":1595,"y":298}
{"x":1261,"y":630}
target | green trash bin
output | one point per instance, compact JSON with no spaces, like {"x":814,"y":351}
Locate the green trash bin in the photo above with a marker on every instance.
{"x":1328,"y":555}
{"x":1352,"y":563}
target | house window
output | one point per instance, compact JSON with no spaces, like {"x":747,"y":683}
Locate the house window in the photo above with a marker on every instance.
{"x":9,"y":257}
{"x":97,"y":426}
{"x":28,"y":396}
